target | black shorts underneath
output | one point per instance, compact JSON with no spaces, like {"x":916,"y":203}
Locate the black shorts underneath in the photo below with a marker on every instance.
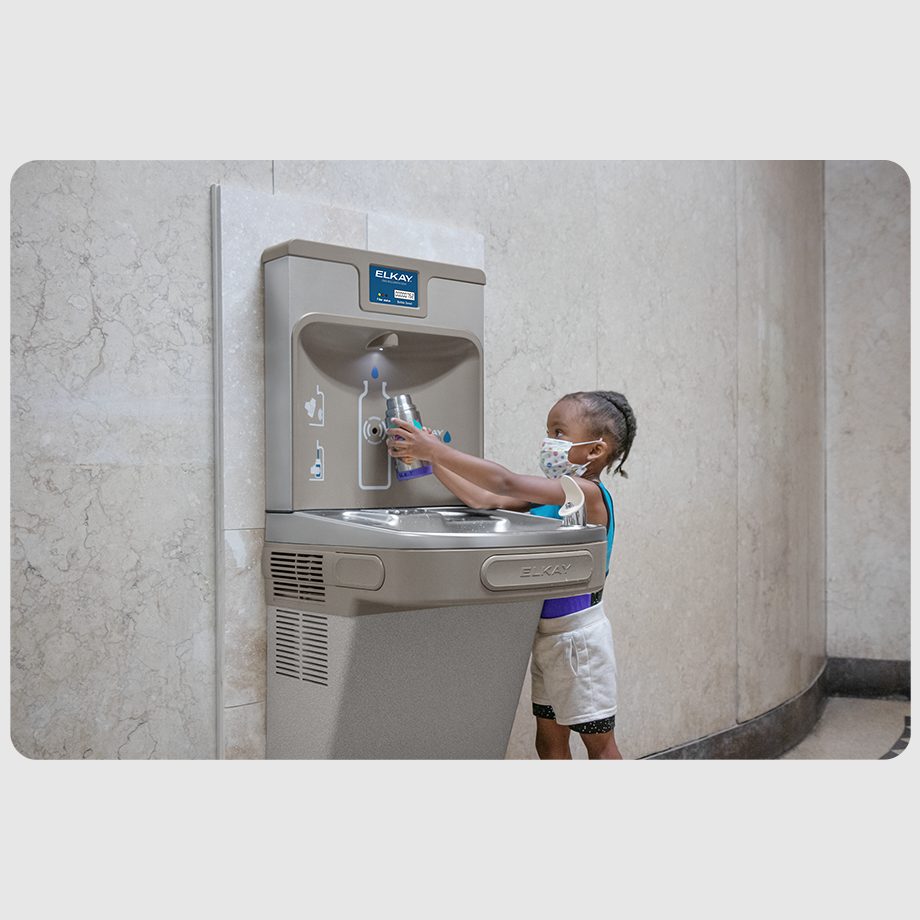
{"x":595,"y":727}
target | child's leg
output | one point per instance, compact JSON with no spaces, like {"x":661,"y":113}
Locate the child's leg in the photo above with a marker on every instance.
{"x":598,"y":738}
{"x":601,"y":746}
{"x":552,"y":740}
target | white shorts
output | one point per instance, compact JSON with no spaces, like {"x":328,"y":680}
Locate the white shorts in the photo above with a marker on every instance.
{"x":573,"y":668}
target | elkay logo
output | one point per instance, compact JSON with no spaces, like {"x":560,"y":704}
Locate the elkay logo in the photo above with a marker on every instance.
{"x":536,"y":571}
{"x":389,"y":275}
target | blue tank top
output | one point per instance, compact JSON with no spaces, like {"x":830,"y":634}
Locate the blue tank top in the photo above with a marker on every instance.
{"x":561,"y":606}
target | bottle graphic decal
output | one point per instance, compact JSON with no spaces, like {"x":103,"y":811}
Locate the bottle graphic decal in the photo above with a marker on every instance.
{"x":315,"y":408}
{"x":374,"y":467}
{"x":318,"y":470}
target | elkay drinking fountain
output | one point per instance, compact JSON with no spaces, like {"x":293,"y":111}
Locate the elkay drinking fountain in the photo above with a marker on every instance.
{"x":399,"y":620}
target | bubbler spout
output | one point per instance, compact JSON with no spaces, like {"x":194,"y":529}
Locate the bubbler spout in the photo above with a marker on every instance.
{"x":573,"y":511}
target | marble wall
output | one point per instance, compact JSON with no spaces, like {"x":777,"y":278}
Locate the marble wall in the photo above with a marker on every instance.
{"x":868,"y":410}
{"x":694,"y":288}
{"x":781,"y":536}
{"x":665,"y":292}
{"x":112,"y":575}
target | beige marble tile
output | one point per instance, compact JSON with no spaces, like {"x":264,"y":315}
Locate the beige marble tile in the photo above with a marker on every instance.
{"x":424,"y":240}
{"x":868,"y":409}
{"x":445,"y":192}
{"x":541,"y":247}
{"x":665,"y":286}
{"x":112,"y":592}
{"x":244,"y":732}
{"x":781,"y":546}
{"x":244,"y":618}
{"x":112,"y":629}
{"x":111,"y":319}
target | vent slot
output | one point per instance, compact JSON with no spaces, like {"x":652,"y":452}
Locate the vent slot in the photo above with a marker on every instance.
{"x":298,"y":576}
{"x":302,"y":646}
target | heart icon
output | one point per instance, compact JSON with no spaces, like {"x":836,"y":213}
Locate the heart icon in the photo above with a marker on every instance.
{"x":310,"y":407}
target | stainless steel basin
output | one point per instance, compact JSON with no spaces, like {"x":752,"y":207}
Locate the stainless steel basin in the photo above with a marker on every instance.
{"x":425,"y":520}
{"x":425,"y":528}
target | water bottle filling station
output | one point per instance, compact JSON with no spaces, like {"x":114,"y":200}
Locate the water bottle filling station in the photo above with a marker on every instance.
{"x":399,"y":620}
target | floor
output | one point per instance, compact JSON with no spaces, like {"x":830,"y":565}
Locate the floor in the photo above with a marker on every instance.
{"x":856,"y":729}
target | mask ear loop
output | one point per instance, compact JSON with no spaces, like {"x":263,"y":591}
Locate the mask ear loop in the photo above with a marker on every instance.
{"x":582,"y":443}
{"x":595,"y":441}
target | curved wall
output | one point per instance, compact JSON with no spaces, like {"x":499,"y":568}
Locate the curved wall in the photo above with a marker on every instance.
{"x":781,"y":529}
{"x":868,"y":419}
{"x":693,"y":287}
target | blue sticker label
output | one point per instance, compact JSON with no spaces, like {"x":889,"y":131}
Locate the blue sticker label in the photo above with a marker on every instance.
{"x":396,"y":287}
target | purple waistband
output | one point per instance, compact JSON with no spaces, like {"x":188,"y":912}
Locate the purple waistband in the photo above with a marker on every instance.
{"x":561,"y":606}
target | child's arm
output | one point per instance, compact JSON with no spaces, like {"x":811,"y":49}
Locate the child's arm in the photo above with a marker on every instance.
{"x":473,"y":495}
{"x":489,"y":476}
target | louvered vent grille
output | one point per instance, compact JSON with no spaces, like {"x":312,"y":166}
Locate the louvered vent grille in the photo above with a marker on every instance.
{"x":298,"y":576}
{"x":302,"y":646}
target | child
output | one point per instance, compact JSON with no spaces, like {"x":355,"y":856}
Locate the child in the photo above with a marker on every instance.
{"x":573,"y":669}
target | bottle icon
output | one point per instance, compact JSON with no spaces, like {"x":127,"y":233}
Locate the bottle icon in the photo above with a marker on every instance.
{"x":374,"y":470}
{"x":318,"y":470}
{"x":315,"y":408}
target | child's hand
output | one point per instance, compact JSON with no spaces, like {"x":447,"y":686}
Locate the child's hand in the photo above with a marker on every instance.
{"x":407,"y":443}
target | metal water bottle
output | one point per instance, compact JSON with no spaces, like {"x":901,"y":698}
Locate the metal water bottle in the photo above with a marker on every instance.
{"x":401,"y":406}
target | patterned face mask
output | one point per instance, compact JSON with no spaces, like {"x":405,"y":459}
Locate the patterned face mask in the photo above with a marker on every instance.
{"x":554,"y":458}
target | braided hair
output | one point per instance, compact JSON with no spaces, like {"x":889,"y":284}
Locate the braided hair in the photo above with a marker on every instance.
{"x":612,"y":416}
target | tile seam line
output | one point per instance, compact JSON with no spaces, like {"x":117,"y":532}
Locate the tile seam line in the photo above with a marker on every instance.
{"x":736,"y":217}
{"x":217,"y":319}
{"x":597,"y":303}
{"x":824,"y":333}
{"x":243,"y":705}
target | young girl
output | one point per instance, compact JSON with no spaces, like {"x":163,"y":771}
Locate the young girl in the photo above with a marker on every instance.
{"x":573,"y":669}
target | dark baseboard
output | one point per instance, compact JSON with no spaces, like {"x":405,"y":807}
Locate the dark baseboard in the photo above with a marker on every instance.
{"x":869,"y":678}
{"x":770,"y":735}
{"x":763,"y":738}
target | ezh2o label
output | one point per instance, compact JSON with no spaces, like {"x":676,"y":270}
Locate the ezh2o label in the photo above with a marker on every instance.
{"x":397,"y":287}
